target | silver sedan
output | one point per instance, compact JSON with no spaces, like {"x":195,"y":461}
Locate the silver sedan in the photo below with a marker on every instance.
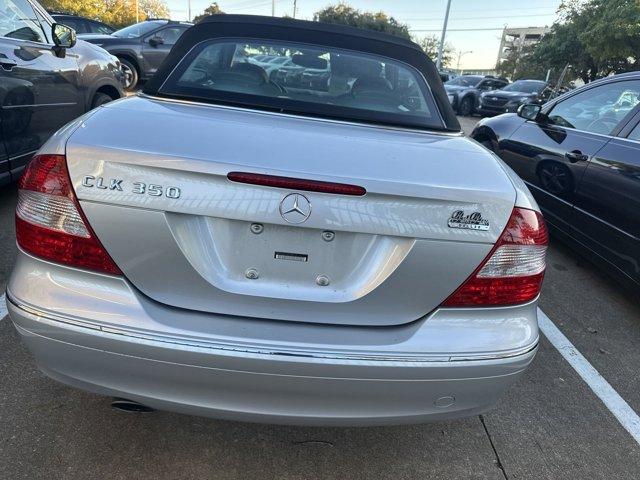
{"x":333,"y":252}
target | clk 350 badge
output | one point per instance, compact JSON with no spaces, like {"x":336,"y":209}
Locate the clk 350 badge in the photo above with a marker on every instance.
{"x":140,"y":188}
{"x":472,"y":221}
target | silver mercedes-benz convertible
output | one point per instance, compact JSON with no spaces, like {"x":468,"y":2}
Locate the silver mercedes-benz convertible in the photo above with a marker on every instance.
{"x":287,"y":225}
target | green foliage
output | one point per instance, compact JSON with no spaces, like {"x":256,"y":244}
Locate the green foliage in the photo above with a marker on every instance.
{"x":519,"y":64}
{"x":430,"y":46}
{"x":212,"y":9}
{"x":597,"y":37}
{"x":117,"y":13}
{"x":378,"y":21}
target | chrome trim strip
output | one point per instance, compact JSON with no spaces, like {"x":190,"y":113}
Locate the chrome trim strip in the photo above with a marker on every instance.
{"x":27,"y":154}
{"x":291,"y":115}
{"x":36,"y":105}
{"x":609,"y":225}
{"x":53,"y":318}
{"x":573,"y":206}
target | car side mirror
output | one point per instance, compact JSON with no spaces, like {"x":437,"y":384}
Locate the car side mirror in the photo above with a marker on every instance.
{"x":155,"y":41}
{"x":530,"y":111}
{"x":63,"y":37}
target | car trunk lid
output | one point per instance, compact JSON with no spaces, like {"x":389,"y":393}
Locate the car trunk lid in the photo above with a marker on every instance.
{"x":157,"y":193}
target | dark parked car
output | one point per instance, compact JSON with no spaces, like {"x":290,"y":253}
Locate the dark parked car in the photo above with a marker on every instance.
{"x":141,"y":47}
{"x":82,"y":25}
{"x":580,"y":156}
{"x":464,"y":91}
{"x":446,"y":75}
{"x":46,"y":80}
{"x":512,"y":96}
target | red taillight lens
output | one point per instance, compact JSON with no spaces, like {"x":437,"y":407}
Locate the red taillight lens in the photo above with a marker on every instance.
{"x":49,"y":221}
{"x":513,"y":271}
{"x":296,"y":183}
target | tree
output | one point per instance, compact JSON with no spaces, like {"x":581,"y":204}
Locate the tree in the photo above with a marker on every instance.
{"x":379,"y":21}
{"x":519,"y":64}
{"x":597,"y":37}
{"x":117,"y":13}
{"x":430,"y":46}
{"x":212,"y":9}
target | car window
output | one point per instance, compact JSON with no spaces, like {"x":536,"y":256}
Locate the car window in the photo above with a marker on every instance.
{"x":599,"y":109}
{"x":489,"y":85}
{"x":170,"y":35}
{"x":526,"y":86}
{"x":138,"y":29}
{"x":635,"y":133}
{"x":76,"y":23}
{"x":306,"y":79}
{"x":18,"y":20}
{"x":465,"y":81}
{"x":97,"y":27}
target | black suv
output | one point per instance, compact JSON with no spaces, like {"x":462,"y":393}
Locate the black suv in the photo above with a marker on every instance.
{"x":141,"y":47}
{"x":464,"y":91}
{"x":46,"y":80}
{"x":82,"y":25}
{"x":509,"y":99}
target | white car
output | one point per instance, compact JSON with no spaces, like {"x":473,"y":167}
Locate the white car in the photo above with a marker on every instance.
{"x":222,"y":245}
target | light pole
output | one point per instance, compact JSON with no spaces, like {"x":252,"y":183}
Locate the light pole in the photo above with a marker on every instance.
{"x":295,"y":6}
{"x":444,"y":33}
{"x":189,"y":9}
{"x":460,"y":55}
{"x":273,"y":8}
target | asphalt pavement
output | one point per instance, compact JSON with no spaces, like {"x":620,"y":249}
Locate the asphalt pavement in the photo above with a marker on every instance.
{"x":550,"y":425}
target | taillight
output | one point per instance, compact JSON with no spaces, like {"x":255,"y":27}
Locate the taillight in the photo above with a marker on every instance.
{"x":296,"y":183}
{"x":49,"y":221}
{"x":512,"y":273}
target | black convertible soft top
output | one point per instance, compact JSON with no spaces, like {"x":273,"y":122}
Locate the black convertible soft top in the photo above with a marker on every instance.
{"x":315,"y":33}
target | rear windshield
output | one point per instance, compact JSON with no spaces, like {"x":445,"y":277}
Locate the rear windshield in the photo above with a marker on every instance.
{"x":301,"y":78}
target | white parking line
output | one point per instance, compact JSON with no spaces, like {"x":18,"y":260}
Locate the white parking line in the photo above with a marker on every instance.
{"x":627,"y":417}
{"x":3,"y":307}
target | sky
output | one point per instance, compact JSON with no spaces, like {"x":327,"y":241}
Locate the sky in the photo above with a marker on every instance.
{"x":475,"y":26}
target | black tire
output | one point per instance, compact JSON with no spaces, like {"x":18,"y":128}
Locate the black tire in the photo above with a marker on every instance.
{"x":466,"y":106}
{"x":131,"y":75}
{"x":100,"y":99}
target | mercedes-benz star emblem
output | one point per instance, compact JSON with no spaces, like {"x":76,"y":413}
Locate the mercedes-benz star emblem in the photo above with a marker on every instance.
{"x":295,"y":208}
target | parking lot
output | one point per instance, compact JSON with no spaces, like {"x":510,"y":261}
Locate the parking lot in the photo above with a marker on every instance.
{"x":551,"y":424}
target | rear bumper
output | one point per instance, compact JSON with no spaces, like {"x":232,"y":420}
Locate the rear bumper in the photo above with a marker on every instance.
{"x":97,"y":333}
{"x":264,"y":387}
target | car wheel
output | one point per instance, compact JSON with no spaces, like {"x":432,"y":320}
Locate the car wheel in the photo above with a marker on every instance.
{"x":555,"y":178}
{"x":130,"y":74}
{"x":100,"y":99}
{"x":466,"y":107}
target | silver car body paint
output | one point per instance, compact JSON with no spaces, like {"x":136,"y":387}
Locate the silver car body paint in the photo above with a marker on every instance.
{"x":388,"y":243}
{"x":185,"y":330}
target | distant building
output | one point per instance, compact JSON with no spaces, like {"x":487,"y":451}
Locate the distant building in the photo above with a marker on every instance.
{"x":474,"y":71}
{"x":518,"y":38}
